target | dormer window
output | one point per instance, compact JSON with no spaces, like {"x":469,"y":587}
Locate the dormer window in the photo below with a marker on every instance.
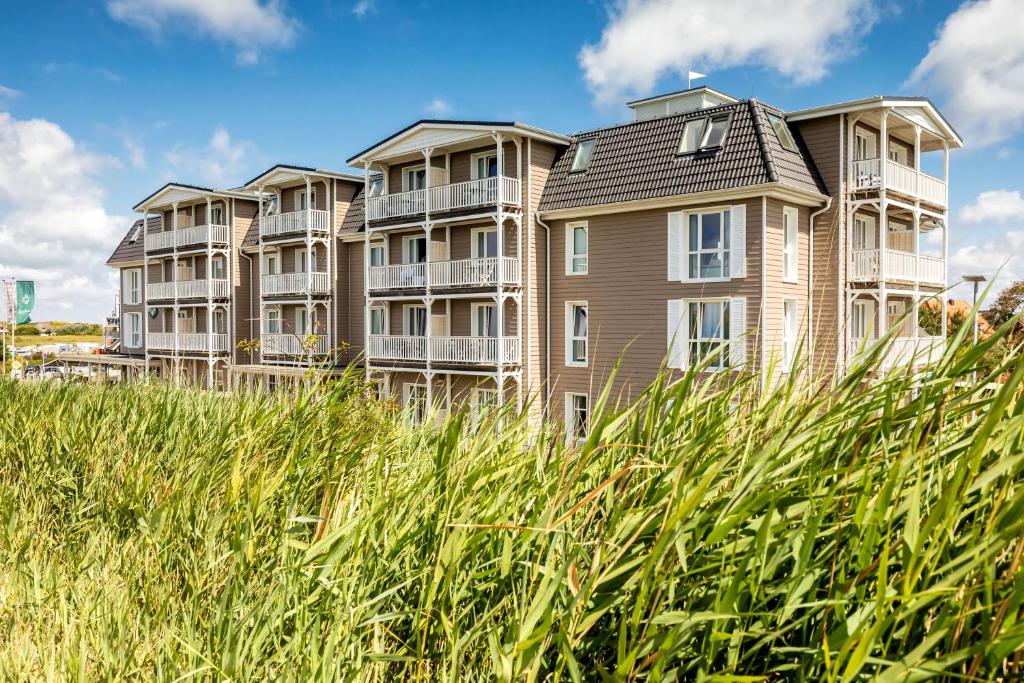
{"x":782,"y":131}
{"x":581,"y":160}
{"x":703,"y":133}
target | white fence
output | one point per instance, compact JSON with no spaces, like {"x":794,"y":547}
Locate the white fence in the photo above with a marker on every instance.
{"x":402,"y":276}
{"x":295,"y":283}
{"x":313,"y":220}
{"x":902,"y":351}
{"x":447,"y":197}
{"x":293,"y":345}
{"x":867,"y":173}
{"x":478,"y":272}
{"x":192,"y":342}
{"x":470,"y":350}
{"x":188,"y":236}
{"x":899,"y":265}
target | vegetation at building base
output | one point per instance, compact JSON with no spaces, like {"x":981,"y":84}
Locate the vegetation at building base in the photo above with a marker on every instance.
{"x":871,"y":530}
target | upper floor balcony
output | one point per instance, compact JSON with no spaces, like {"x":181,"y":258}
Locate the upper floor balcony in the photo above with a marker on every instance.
{"x":295,"y":223}
{"x":187,"y":235}
{"x":894,"y":177}
{"x":470,"y":194}
{"x":445,"y":350}
{"x":315,"y":283}
{"x":902,"y":351}
{"x":188,"y":289}
{"x":293,"y":345}
{"x":192,"y":342}
{"x":449,"y":274}
{"x":874,"y":265}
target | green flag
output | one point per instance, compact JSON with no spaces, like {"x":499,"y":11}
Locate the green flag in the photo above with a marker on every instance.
{"x":24,"y":299}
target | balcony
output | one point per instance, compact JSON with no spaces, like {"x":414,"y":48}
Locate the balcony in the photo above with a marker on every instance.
{"x":450,"y":197}
{"x":904,"y":180}
{"x":188,"y":289}
{"x":188,"y":236}
{"x":295,"y":283}
{"x":447,"y":350}
{"x":191,"y":342}
{"x":295,"y":222}
{"x":899,"y":265}
{"x":463,"y":273}
{"x":903,"y":351}
{"x":293,"y":345}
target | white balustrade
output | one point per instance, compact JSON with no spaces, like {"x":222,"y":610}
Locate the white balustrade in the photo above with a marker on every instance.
{"x":295,"y":283}
{"x":865,"y":265}
{"x":902,"y":351}
{"x":401,"y":276}
{"x":446,"y":197}
{"x":293,"y":345}
{"x":397,"y":347}
{"x":478,"y":272}
{"x":932,"y":270}
{"x":899,"y":265}
{"x":313,"y":220}
{"x":160,"y":290}
{"x":483,"y":350}
{"x":160,"y":341}
{"x":396,"y":205}
{"x":160,"y":240}
{"x":201,"y":234}
{"x":900,"y":178}
{"x":866,"y":174}
{"x":191,"y":342}
{"x":932,"y":190}
{"x":193,"y":289}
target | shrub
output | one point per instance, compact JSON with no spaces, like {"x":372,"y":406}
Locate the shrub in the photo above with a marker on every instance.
{"x":27,"y":330}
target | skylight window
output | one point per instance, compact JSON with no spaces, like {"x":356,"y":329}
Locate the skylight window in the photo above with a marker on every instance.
{"x":135,"y":235}
{"x":583,"y":152}
{"x":782,"y":131}
{"x":703,"y":133}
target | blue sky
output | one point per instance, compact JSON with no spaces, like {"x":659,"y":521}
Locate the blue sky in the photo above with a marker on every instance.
{"x":103,"y":102}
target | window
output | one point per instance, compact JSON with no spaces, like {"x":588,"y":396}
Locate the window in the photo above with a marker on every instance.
{"x":301,"y":321}
{"x":271,"y":205}
{"x":301,"y":203}
{"x":416,"y":403}
{"x":862,"y":325}
{"x":708,"y":322}
{"x":133,"y":330}
{"x":703,"y":133}
{"x":864,"y":145}
{"x":483,"y":402}
{"x":485,"y":320}
{"x":898,"y":153}
{"x":378,"y":255}
{"x":217,"y":270}
{"x":186,"y":321}
{"x":790,"y":246}
{"x":136,"y":232}
{"x":131,"y":286}
{"x":484,"y":165}
{"x":272,"y":321}
{"x":782,"y":132}
{"x":302,"y":264}
{"x":185,"y":270}
{"x":378,"y":320}
{"x":376,"y":185}
{"x":414,"y":322}
{"x":789,"y":333}
{"x":708,"y":245}
{"x":863,"y":232}
{"x":217,"y":215}
{"x":576,"y":249}
{"x":485,"y":243}
{"x":577,"y":416}
{"x":414,"y":178}
{"x":220,"y":324}
{"x":581,"y":160}
{"x":414,"y":249}
{"x":270,"y":264}
{"x":576,"y":333}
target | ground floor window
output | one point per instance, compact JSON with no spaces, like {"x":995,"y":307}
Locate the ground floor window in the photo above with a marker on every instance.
{"x":709,"y":333}
{"x":416,"y":403}
{"x":577,"y":416}
{"x":484,"y":402}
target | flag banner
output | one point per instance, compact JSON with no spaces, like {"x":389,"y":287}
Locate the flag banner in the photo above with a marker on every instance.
{"x":25,"y":299}
{"x":9,"y":307}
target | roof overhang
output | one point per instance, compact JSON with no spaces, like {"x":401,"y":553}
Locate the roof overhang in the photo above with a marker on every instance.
{"x":408,"y":142}
{"x":728,"y":99}
{"x":284,"y":174}
{"x":173,"y":193}
{"x":779,"y":191}
{"x":919,"y":110}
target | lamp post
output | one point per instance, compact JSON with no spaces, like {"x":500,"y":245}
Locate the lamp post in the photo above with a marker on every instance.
{"x":975,"y":280}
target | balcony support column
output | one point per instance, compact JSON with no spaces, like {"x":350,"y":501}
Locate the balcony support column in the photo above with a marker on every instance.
{"x":143,"y":332}
{"x":499,"y":309}
{"x":174,"y":278}
{"x":883,"y":150}
{"x":366,"y":267}
{"x":917,"y":162}
{"x":309,"y":264}
{"x":259,"y":268}
{"x":945,"y":274}
{"x":209,"y":291}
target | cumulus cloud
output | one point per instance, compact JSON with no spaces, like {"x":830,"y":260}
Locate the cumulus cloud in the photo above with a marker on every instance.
{"x":647,"y":39}
{"x":1000,"y":259}
{"x":248,"y":26}
{"x":977,"y":65}
{"x":221,"y":163}
{"x":438,"y":107}
{"x":363,"y":7}
{"x":8,"y":93}
{"x":54,"y":228}
{"x":994,"y":206}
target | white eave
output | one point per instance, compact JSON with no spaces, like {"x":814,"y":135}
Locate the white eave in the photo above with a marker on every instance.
{"x":174,"y":192}
{"x":283,"y":175}
{"x":937,"y":120}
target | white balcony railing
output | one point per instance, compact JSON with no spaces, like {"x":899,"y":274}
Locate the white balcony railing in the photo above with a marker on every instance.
{"x":293,"y":345}
{"x":401,"y":276}
{"x":396,"y":347}
{"x":903,"y":351}
{"x":471,"y":350}
{"x":477,"y":272}
{"x":160,"y":240}
{"x":312,"y":220}
{"x":187,"y":236}
{"x":188,"y":289}
{"x":867,"y":174}
{"x":899,"y":265}
{"x":160,"y":290}
{"x":295,"y":283}
{"x":447,"y":197}
{"x":191,"y":342}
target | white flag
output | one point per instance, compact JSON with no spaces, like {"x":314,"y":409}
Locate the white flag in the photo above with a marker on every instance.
{"x":690,"y":75}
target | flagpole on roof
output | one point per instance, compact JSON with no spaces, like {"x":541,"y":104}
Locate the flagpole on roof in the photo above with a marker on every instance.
{"x":691,"y":76}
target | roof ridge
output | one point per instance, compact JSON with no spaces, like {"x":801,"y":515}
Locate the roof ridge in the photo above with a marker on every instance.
{"x":762,"y":140}
{"x":624,"y":124}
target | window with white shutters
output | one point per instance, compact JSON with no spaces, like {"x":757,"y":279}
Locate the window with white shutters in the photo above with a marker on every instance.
{"x":131,"y":281}
{"x":789,"y":333}
{"x":707,"y":245}
{"x":709,"y":330}
{"x":790,"y":243}
{"x":133,"y":330}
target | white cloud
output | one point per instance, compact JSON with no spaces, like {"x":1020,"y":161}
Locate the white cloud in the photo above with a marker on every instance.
{"x":220,"y":163}
{"x":363,"y":7}
{"x":249,"y":26}
{"x":9,"y":93}
{"x":51,"y":68}
{"x":54,"y":228}
{"x":977,"y":64}
{"x":647,"y":39}
{"x":1003,"y":255}
{"x":136,"y":152}
{"x":438,"y":107}
{"x":994,"y":206}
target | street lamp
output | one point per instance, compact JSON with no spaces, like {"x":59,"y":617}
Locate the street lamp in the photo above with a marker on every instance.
{"x":976,"y":279}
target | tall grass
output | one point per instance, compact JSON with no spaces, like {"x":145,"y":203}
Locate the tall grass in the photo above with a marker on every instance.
{"x":708,"y":531}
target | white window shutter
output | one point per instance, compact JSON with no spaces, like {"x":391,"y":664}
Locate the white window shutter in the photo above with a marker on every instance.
{"x":675,"y":246}
{"x":676,"y":337}
{"x":738,"y":240}
{"x":737,"y":330}
{"x":438,"y":250}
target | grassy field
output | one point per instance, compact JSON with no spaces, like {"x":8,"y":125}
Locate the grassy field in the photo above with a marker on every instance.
{"x":706,"y":532}
{"x":37,"y":340}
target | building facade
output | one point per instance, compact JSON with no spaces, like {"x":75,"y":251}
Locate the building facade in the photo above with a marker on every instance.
{"x":480,"y":262}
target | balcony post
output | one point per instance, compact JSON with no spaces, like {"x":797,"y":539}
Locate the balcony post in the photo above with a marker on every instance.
{"x":174,"y":276}
{"x":945,"y":175}
{"x":366,"y":266}
{"x":917,"y":161}
{"x":883,"y":150}
{"x":259,"y":269}
{"x":144,"y":325}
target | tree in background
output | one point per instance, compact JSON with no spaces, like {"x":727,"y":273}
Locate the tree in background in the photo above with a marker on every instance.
{"x":957,"y":313}
{"x":85,"y":329}
{"x":26,"y":331}
{"x":1009,"y":303}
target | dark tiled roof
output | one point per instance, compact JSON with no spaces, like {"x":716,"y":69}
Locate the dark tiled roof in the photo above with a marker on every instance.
{"x":252,"y":234}
{"x":129,"y":250}
{"x":638,"y":160}
{"x":353,"y":221}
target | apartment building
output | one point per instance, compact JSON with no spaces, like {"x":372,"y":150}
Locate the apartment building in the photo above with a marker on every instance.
{"x":482,"y":262}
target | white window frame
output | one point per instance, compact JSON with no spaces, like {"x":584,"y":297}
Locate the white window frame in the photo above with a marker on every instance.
{"x":479,"y":408}
{"x":271,"y":263}
{"x":790,"y":333}
{"x":870,"y":143}
{"x":272,"y":315}
{"x":189,"y":316}
{"x":474,"y":170}
{"x":866,"y":225}
{"x":790,"y":244}
{"x":863,"y":314}
{"x":581,"y":159}
{"x":410,"y":172}
{"x":381,"y":248}
{"x":301,"y":257}
{"x":406,"y":308}
{"x":300,"y":195}
{"x":418,"y":416}
{"x":131,"y":286}
{"x":133,"y":338}
{"x":219,"y":321}
{"x":383,"y":312}
{"x":474,"y":247}
{"x":901,"y":150}
{"x":406,"y":240}
{"x":185,"y":269}
{"x":302,"y":322}
{"x":725,"y":251}
{"x":218,"y":263}
{"x":572,"y":259}
{"x":572,"y":423}
{"x":376,"y":186}
{"x":217,"y":215}
{"x":725,"y":338}
{"x":783,"y":133}
{"x":571,"y":338}
{"x":475,"y":309}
